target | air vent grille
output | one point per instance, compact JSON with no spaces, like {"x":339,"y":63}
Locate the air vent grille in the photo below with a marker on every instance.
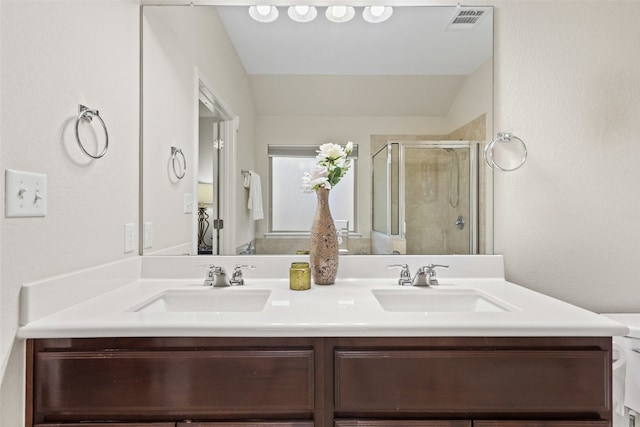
{"x":466,"y":19}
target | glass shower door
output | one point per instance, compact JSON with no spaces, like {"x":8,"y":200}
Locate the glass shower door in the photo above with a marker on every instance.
{"x":438,"y":190}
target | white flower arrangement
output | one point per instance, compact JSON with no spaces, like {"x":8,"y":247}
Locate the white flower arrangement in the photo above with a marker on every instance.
{"x":333,"y":164}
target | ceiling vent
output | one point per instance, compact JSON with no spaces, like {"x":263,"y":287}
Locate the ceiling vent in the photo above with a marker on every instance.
{"x":466,"y":18}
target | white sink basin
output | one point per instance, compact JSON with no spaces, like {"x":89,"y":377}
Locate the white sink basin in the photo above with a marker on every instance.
{"x":437,"y":300}
{"x":207,"y":300}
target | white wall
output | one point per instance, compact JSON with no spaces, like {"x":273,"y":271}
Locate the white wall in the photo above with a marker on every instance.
{"x":474,"y":99}
{"x":567,"y":79}
{"x":55,"y":55}
{"x":177,"y":39}
{"x":169,"y":105}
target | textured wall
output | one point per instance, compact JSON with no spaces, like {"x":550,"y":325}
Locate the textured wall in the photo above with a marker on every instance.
{"x":567,"y":83}
{"x":177,"y":39}
{"x":56,"y":55}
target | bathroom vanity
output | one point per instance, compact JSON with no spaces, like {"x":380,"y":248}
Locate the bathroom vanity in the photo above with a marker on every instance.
{"x":363,"y":352}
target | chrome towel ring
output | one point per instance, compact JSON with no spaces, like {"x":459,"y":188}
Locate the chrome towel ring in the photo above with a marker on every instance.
{"x":87,"y":114}
{"x":174,"y":155}
{"x":489,"y":152}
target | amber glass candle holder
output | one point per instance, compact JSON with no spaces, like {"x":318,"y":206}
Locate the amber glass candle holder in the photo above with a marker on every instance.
{"x":300,"y":276}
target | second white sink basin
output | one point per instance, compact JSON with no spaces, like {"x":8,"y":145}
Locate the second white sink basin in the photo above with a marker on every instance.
{"x":207,"y":300}
{"x":437,"y":300}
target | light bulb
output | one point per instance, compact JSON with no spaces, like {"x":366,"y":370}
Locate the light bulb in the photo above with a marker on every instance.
{"x":339,"y":11}
{"x":377,"y":10}
{"x":302,"y":10}
{"x":376,"y":14}
{"x":264,"y":13}
{"x":302,"y":13}
{"x":263,"y":10}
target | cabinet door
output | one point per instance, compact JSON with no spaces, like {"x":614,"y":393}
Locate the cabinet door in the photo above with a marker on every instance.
{"x":402,"y":423}
{"x":164,"y":385}
{"x":248,"y":424}
{"x":390,"y":383}
{"x":106,"y":425}
{"x":541,"y":424}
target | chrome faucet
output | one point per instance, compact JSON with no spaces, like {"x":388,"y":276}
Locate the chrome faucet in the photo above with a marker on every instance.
{"x":250,"y":249}
{"x":426,"y":275}
{"x":236,"y":276}
{"x":216,"y":277}
{"x":405,"y":274}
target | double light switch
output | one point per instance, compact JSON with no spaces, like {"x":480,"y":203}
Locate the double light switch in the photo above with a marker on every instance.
{"x":25,"y":194}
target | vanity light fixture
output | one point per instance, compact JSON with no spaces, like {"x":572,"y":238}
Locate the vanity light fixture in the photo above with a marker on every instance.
{"x":302,"y":13}
{"x":340,"y":13}
{"x":375,"y":14}
{"x":263,"y":13}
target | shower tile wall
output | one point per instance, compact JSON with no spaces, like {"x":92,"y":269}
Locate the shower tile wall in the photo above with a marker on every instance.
{"x":430,"y":219}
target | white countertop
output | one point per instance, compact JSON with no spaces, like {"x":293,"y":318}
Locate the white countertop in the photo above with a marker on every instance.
{"x":347,"y":308}
{"x":631,"y":320}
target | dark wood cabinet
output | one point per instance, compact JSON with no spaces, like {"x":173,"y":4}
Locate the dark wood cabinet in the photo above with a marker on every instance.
{"x":402,"y":423}
{"x":321,"y":382}
{"x":106,"y":425}
{"x":453,"y":381}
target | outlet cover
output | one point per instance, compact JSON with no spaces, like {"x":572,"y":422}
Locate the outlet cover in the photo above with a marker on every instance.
{"x":25,"y":194}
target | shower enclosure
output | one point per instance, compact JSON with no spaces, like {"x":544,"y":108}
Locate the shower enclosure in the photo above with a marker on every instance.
{"x":425,"y":198}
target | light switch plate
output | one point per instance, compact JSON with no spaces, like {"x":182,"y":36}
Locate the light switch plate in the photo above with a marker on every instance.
{"x":148,"y":234}
{"x":129,"y":237}
{"x":188,"y":203}
{"x":25,"y":194}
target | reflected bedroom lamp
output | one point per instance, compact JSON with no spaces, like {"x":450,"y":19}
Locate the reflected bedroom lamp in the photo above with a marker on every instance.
{"x":205,"y":200}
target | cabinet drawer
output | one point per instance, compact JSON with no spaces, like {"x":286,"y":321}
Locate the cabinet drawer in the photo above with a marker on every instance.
{"x":249,"y":424}
{"x":402,"y":423}
{"x":158,"y":385}
{"x":106,"y":425}
{"x":470,"y":381}
{"x":541,"y":424}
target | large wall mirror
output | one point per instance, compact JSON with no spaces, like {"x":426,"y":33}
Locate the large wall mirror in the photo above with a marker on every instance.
{"x":414,"y":94}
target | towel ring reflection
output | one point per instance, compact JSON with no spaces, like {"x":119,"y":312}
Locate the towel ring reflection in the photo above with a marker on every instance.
{"x":489,"y":152}
{"x":174,"y":157}
{"x":88,"y":114}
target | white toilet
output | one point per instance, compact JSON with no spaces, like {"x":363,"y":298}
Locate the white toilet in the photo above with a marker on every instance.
{"x":626,"y":372}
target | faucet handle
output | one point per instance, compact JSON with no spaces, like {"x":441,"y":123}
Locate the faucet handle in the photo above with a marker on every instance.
{"x":236,"y":276}
{"x":405,"y":274}
{"x":430,"y":268}
{"x":209,"y":279}
{"x":430,"y":272}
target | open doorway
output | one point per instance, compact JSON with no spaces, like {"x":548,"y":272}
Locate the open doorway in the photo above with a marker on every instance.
{"x":216,"y":131}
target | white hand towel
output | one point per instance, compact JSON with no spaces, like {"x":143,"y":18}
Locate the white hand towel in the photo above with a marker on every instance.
{"x":253,"y":183}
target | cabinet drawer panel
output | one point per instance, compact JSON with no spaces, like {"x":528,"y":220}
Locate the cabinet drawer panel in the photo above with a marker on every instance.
{"x":249,"y":424}
{"x":106,"y":425}
{"x":483,"y":381}
{"x":402,"y":423}
{"x":135,"y":385}
{"x":541,"y":424}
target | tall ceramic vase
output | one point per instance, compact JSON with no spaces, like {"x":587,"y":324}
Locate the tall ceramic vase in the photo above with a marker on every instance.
{"x":324,"y":243}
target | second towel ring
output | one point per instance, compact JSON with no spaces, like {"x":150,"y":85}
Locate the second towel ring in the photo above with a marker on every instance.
{"x":489,"y":152}
{"x":85,"y":113}
{"x":174,"y":154}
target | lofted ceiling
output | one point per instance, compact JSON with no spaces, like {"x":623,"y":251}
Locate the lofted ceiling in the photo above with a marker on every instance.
{"x":410,"y":65}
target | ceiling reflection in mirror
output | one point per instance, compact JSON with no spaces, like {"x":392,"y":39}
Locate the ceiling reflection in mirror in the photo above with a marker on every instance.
{"x":414,"y":93}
